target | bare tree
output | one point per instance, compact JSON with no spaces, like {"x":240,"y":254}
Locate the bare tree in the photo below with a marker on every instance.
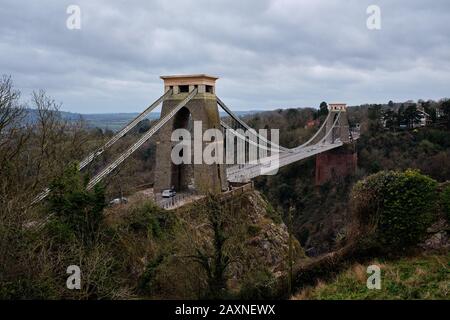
{"x":13,"y":133}
{"x":10,"y":110}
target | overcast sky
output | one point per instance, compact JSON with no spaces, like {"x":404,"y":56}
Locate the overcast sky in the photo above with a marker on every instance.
{"x":267,"y":53}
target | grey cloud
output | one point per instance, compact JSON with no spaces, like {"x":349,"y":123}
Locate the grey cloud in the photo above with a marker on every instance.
{"x":270,"y":53}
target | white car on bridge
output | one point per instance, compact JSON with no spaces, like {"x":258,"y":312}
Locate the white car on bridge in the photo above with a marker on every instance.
{"x":168,"y":193}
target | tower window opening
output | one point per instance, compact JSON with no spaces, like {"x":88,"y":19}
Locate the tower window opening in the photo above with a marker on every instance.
{"x":184,"y":88}
{"x":209,"y":89}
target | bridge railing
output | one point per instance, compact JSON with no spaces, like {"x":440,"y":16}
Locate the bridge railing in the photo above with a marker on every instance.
{"x":238,"y":190}
{"x":170,"y":203}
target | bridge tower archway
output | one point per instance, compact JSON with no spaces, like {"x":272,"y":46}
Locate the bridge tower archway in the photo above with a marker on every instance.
{"x":183,"y":174}
{"x":202,"y":108}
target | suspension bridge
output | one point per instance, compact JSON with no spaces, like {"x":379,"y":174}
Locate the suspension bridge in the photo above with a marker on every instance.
{"x":190,"y":98}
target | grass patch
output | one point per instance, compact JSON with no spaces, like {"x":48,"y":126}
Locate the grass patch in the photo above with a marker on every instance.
{"x":422,"y":277}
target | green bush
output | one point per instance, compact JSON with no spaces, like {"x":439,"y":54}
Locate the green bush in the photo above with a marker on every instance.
{"x":60,"y":232}
{"x":76,"y":209}
{"x":445,"y":200}
{"x":148,"y":219}
{"x":394,"y":209}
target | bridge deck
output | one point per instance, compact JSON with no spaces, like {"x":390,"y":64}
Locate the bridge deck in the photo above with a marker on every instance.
{"x":245,"y":172}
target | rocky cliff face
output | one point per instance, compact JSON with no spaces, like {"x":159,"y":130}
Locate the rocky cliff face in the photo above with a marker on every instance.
{"x":257,"y":239}
{"x":437,"y":236}
{"x":176,"y":254}
{"x":270,"y":239}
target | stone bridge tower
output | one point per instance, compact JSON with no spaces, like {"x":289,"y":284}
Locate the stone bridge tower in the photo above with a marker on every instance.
{"x":340,"y":162}
{"x":202,"y":107}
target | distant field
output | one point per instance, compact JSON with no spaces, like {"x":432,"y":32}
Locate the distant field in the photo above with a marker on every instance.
{"x":112,"y":121}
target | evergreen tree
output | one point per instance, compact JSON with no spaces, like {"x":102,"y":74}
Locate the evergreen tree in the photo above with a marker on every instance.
{"x":78,"y":209}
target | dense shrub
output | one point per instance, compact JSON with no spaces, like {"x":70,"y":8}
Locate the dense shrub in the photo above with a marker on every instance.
{"x":76,"y":209}
{"x":426,"y":149}
{"x":445,"y":199}
{"x":147,"y":219}
{"x":393,"y":209}
{"x":145,"y":280}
